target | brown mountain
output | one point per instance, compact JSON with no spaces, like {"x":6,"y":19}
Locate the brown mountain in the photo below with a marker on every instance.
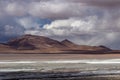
{"x":71,"y":45}
{"x":35,"y":42}
{"x":4,"y":46}
{"x":44,"y":44}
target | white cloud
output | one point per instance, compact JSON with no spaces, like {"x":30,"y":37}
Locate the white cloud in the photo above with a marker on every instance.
{"x":72,"y":26}
{"x":82,"y":31}
{"x":68,"y":28}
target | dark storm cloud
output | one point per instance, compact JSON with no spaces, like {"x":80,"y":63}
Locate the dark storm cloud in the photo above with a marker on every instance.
{"x":102,"y":3}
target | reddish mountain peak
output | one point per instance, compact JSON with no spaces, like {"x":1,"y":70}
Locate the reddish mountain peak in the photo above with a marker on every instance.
{"x":32,"y":36}
{"x":22,"y":42}
{"x":66,"y":41}
{"x":31,"y":42}
{"x":104,"y":47}
{"x":35,"y":42}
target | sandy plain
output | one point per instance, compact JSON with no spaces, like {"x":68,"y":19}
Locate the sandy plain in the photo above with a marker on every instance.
{"x":49,"y":56}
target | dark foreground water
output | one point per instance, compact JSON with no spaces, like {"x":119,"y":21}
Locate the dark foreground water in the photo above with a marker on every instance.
{"x":84,"y":69}
{"x":87,"y":75}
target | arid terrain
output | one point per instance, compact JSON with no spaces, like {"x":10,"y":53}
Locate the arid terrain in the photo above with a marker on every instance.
{"x":36,"y":57}
{"x":41,"y":44}
{"x":7,"y":56}
{"x":40,"y":47}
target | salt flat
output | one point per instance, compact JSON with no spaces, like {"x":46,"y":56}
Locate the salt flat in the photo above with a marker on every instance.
{"x":80,"y":64}
{"x":60,"y":65}
{"x":59,"y":62}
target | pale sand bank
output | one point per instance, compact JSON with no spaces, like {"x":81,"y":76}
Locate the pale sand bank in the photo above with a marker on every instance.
{"x":57,"y":56}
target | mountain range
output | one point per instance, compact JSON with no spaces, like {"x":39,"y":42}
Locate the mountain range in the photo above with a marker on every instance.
{"x":41,"y":44}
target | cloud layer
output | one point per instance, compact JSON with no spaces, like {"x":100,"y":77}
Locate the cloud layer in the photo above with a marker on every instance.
{"x":89,"y":22}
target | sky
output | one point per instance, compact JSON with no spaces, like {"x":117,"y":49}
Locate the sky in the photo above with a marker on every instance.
{"x":85,"y":22}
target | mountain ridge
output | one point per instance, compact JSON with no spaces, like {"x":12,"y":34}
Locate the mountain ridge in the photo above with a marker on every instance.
{"x":45,"y":44}
{"x":36,"y":42}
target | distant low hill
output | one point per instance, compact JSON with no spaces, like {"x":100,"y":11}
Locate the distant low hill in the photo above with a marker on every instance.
{"x":40,"y":44}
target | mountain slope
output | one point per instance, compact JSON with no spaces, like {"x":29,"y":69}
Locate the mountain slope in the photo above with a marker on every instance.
{"x":69,"y":43}
{"x":73,"y":46}
{"x":4,"y":47}
{"x":41,"y":44}
{"x":35,"y":42}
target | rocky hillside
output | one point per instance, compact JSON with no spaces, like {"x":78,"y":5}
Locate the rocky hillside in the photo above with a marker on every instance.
{"x":35,"y":42}
{"x":71,"y":45}
{"x":41,"y":43}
